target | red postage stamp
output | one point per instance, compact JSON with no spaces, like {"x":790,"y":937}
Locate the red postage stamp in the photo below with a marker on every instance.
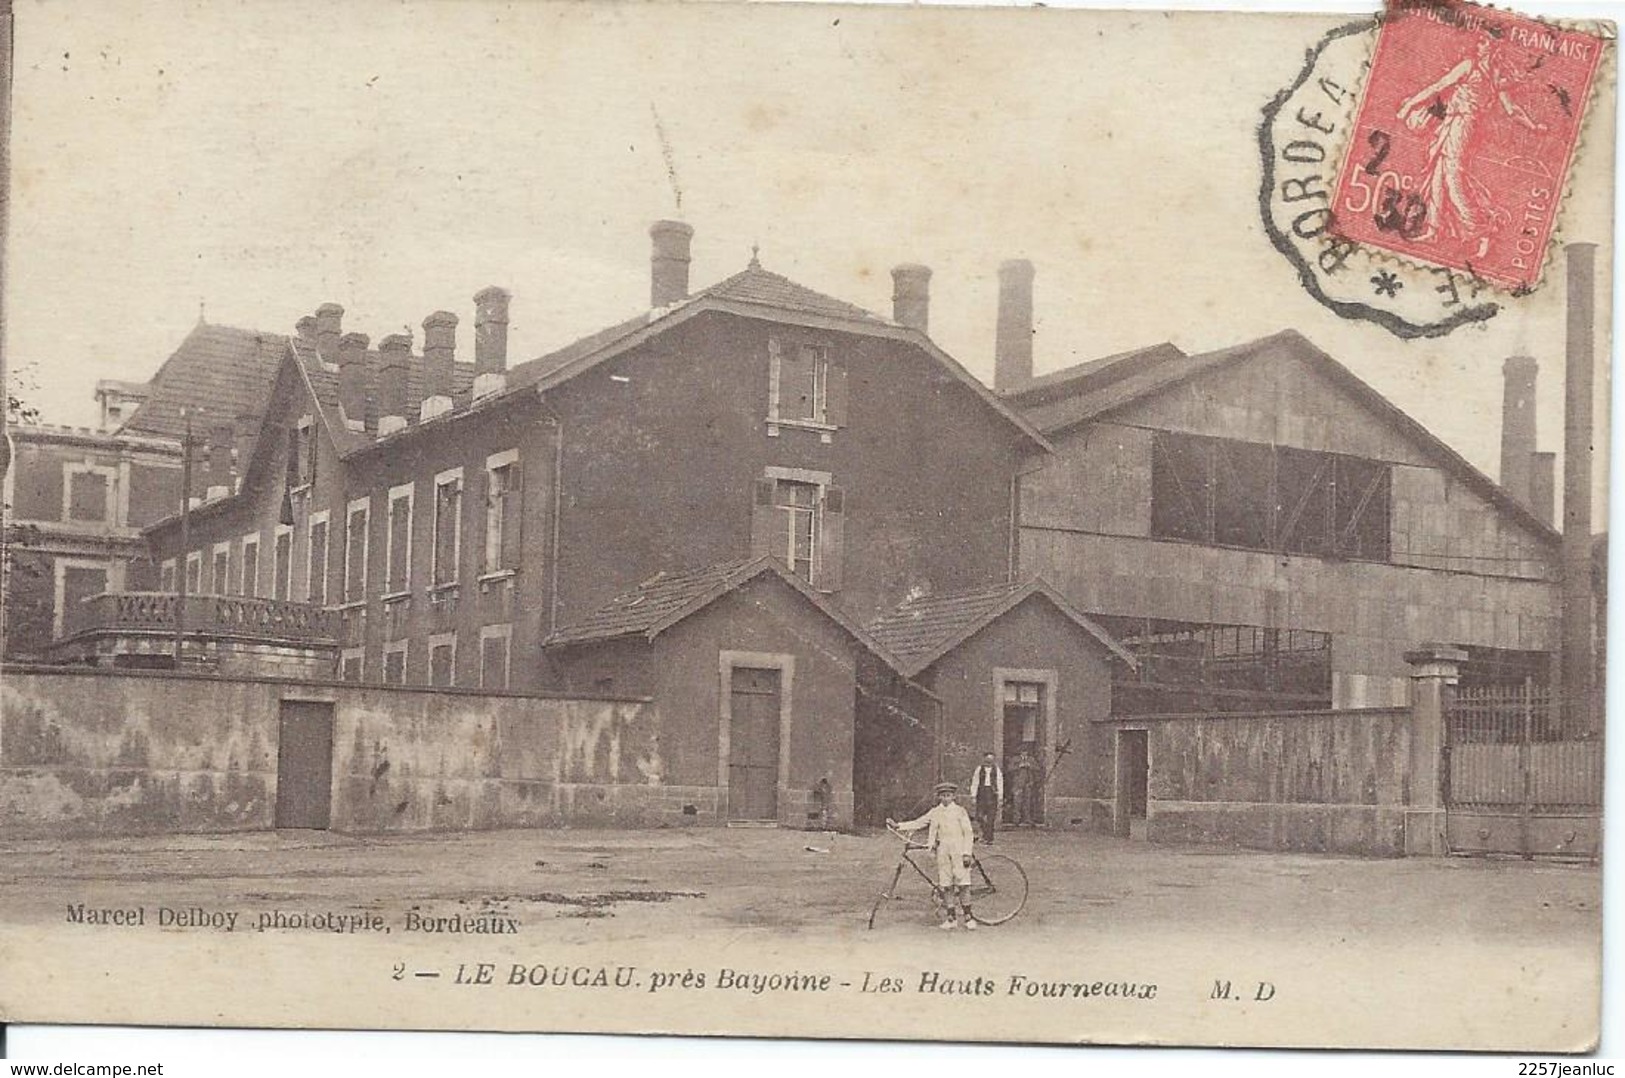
{"x":1467,"y":125}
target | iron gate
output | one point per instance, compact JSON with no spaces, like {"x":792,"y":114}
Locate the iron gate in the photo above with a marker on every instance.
{"x":1514,"y":782}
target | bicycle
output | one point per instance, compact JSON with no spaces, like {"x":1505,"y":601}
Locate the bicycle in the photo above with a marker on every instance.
{"x":990,"y":903}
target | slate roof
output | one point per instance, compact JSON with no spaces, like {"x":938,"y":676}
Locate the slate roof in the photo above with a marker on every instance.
{"x":219,"y":371}
{"x":923,"y":630}
{"x":757,"y":285}
{"x":667,"y":598}
{"x":752,"y":285}
{"x":1094,"y":390}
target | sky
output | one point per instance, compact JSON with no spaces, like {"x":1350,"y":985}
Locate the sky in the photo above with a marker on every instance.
{"x":251,"y":161}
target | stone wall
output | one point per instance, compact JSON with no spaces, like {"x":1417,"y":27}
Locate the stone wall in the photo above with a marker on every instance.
{"x":1323,"y":782}
{"x":104,"y":752}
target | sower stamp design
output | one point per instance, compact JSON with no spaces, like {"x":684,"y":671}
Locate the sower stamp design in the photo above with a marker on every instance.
{"x":1466,"y":130}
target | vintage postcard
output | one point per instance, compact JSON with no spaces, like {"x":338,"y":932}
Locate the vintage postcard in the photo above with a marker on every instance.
{"x":821,"y":521}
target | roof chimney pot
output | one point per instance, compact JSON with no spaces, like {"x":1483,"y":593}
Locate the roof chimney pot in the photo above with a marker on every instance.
{"x":911,"y":296}
{"x":668,"y":262}
{"x":491,"y":330}
{"x":353,"y":379}
{"x":329,"y":327}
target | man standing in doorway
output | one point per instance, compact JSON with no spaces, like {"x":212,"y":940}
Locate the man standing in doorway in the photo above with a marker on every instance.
{"x":1024,"y":782}
{"x":987,"y":794}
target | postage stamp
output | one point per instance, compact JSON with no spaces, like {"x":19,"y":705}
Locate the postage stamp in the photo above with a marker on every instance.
{"x":1467,"y":126}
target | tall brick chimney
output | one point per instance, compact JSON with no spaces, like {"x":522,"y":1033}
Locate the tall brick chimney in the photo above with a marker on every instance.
{"x":394,"y":361}
{"x":668,"y":262}
{"x":439,"y":356}
{"x":491,"y":330}
{"x":911,"y":296}
{"x":1518,"y":425}
{"x":1013,"y":341}
{"x":1579,"y":616}
{"x":353,"y":379}
{"x":329,"y":326}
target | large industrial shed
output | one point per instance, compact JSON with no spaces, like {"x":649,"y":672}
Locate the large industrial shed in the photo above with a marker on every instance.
{"x":1267,"y":532}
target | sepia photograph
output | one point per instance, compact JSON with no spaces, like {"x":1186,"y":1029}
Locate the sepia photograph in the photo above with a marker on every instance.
{"x":1011,"y":525}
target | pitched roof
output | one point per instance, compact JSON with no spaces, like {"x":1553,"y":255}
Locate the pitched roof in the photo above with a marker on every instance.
{"x":757,"y":285}
{"x":1085,"y":395}
{"x":220,"y":372}
{"x":1057,"y":385}
{"x":923,"y":630}
{"x":667,"y":598}
{"x":753,"y":292}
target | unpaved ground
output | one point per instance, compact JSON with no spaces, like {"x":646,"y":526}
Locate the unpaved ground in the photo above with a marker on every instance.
{"x":1440,"y":952}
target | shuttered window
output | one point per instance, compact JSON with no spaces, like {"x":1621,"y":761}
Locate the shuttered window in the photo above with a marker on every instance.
{"x":282,"y":578}
{"x":504,"y":492}
{"x":250,"y":584}
{"x":399,"y":541}
{"x":804,"y":386}
{"x":316,"y":580}
{"x":448,"y":511}
{"x":802,"y":523}
{"x":355,"y":552}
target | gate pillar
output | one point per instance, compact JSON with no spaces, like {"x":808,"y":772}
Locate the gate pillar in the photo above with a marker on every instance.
{"x":1434,"y":668}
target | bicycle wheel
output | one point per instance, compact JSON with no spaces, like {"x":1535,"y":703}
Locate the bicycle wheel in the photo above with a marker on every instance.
{"x":998,"y":889}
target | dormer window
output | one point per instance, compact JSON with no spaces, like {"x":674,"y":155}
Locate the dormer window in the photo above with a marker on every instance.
{"x":806,"y":390}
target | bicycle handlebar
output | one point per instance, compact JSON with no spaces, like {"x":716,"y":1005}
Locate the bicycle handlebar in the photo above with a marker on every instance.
{"x":907,"y":840}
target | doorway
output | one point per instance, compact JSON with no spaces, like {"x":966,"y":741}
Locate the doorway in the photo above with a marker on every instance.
{"x":304,"y":765}
{"x":1024,"y":752}
{"x":753,"y":745}
{"x":1133,"y":780}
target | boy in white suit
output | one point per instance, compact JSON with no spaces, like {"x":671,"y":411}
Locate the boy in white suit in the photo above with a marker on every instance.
{"x":950,"y":834}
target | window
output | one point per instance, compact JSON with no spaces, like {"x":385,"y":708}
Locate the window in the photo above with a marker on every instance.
{"x":351,"y":664}
{"x":494,"y":640}
{"x":804,"y":388}
{"x":87,"y":493}
{"x":1023,"y":702}
{"x":398,"y":543}
{"x":503,"y":491}
{"x":194,"y":572}
{"x":1260,"y":497}
{"x":250,"y":566}
{"x":282,"y":554}
{"x":800,"y":502}
{"x":395,"y":663}
{"x":443,"y":660}
{"x":316,"y":570}
{"x":166,"y":575}
{"x":355,"y":551}
{"x":219,"y":578}
{"x":799,"y":518}
{"x":448,"y":526}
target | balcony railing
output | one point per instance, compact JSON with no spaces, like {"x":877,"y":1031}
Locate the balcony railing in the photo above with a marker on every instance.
{"x":236,"y":616}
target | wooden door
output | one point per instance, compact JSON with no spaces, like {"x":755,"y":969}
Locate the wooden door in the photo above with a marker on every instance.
{"x":753,"y":745}
{"x":304,"y":765}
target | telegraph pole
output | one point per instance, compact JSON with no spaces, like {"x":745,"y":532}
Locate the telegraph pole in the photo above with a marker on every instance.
{"x":186,"y":535}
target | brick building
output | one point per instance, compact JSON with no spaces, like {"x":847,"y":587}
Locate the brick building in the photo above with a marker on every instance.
{"x":76,"y":501}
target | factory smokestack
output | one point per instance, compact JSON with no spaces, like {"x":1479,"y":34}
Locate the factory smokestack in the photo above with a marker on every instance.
{"x":1579,"y":616}
{"x":1518,"y":426}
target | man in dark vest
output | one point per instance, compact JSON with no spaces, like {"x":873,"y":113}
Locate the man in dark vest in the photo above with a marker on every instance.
{"x":987,"y":794}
